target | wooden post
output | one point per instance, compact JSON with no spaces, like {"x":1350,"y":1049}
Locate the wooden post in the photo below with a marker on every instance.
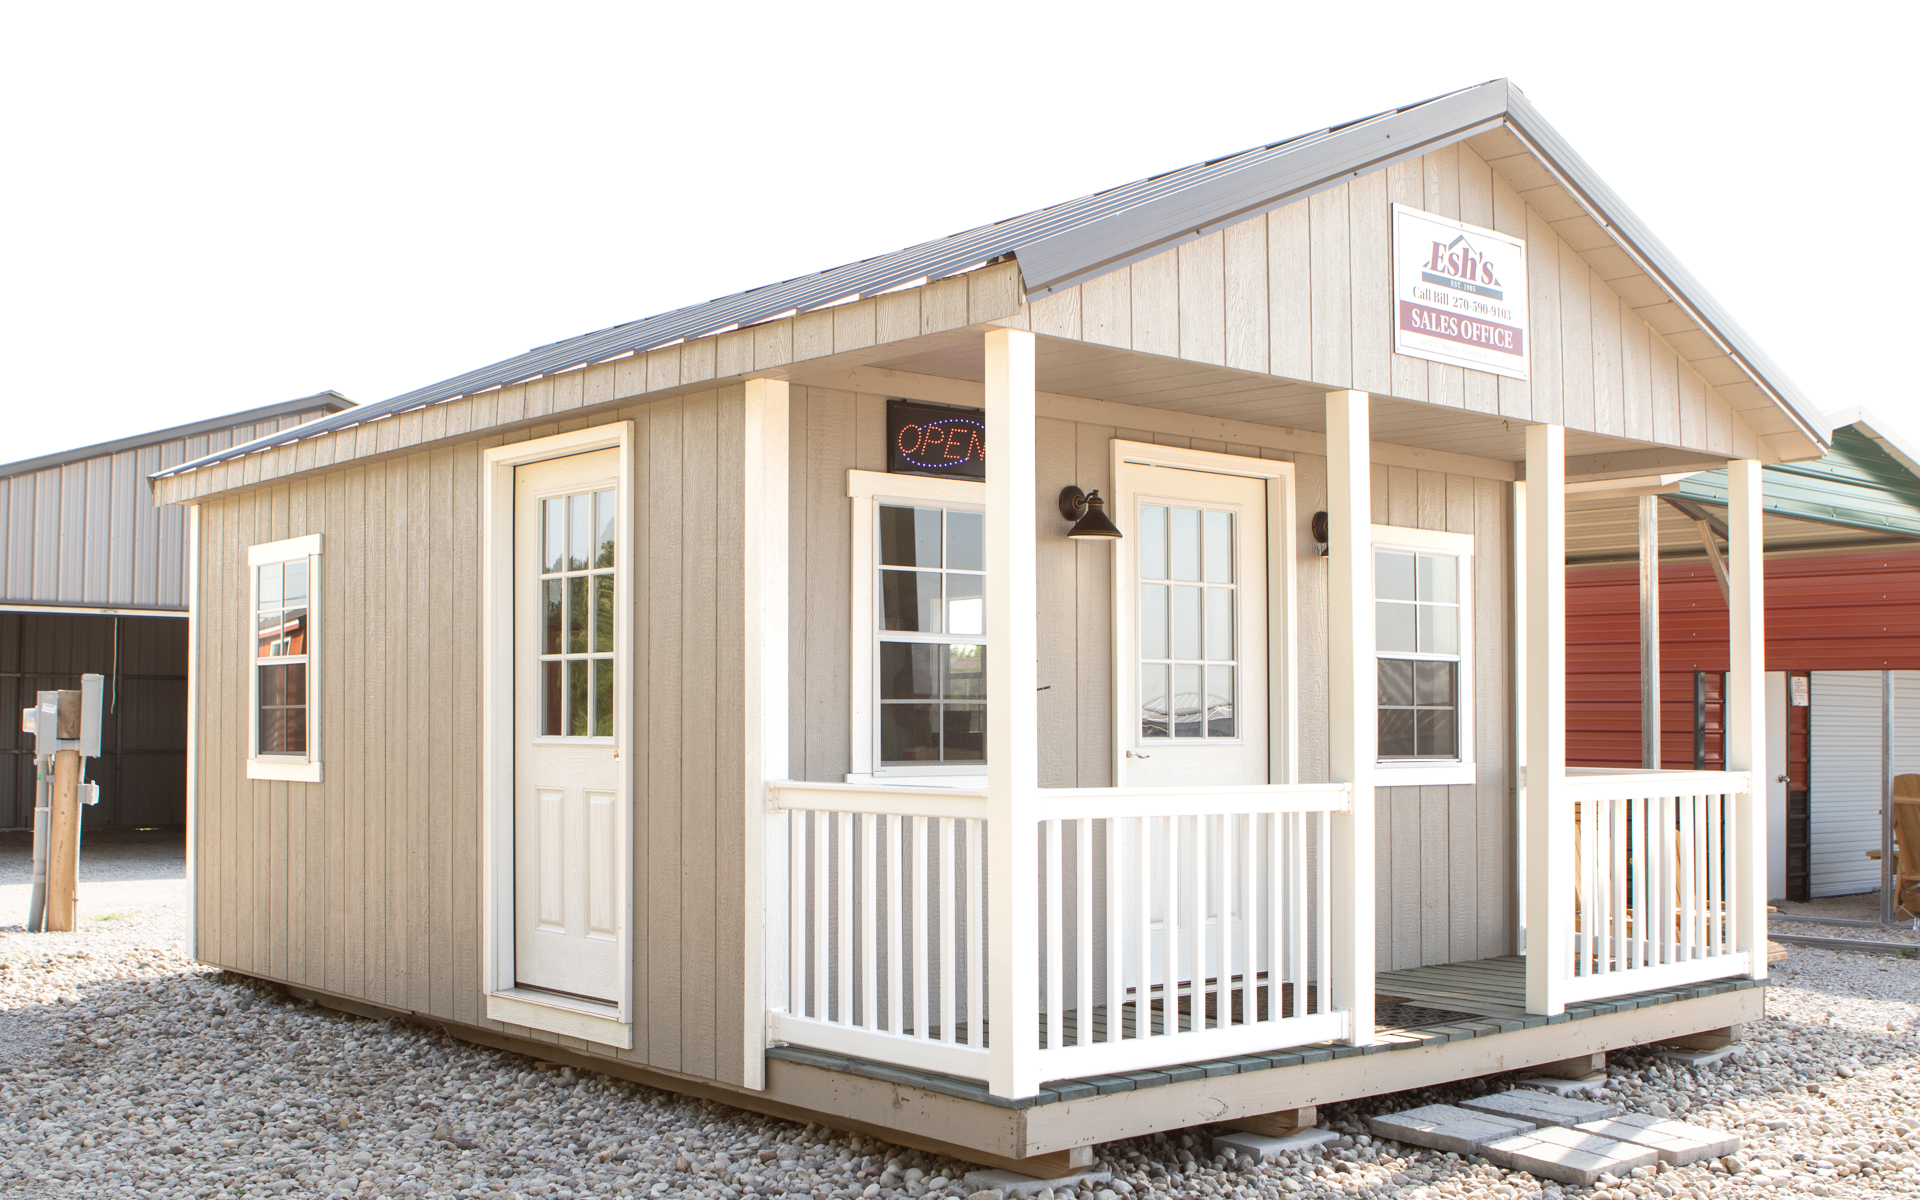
{"x":1549,"y":847}
{"x":1746,"y":711}
{"x":764,"y":617}
{"x":63,"y":842}
{"x":1352,"y":723}
{"x":1013,"y":763}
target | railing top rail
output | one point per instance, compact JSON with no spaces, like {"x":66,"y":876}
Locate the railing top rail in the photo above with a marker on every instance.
{"x":1072,"y":803}
{"x":890,"y":799}
{"x":1589,"y":784}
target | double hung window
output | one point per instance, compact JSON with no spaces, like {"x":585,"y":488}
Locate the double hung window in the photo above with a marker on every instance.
{"x":284,"y":682}
{"x":1421,"y":641}
{"x":919,"y":645}
{"x":931,"y":641}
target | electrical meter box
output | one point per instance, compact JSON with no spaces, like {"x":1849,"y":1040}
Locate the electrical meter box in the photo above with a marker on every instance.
{"x":67,"y":720}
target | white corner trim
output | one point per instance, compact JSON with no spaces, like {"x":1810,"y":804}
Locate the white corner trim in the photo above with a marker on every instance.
{"x":283,"y":551}
{"x":193,"y":728}
{"x":583,"y":1019}
{"x":289,"y":770}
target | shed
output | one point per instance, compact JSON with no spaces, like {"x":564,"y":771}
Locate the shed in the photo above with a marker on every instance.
{"x":749,"y":700}
{"x":93,"y":579}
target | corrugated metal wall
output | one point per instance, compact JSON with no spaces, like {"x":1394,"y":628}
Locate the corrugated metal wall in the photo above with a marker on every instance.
{"x":87,"y":533}
{"x":1831,"y":612}
{"x":1845,"y":802}
{"x":143,"y":771}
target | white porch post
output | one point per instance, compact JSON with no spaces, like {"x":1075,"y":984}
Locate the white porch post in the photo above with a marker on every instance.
{"x":1352,"y":721}
{"x":1746,"y":712}
{"x":1549,"y":847}
{"x":1013,"y":765}
{"x":764,"y":616}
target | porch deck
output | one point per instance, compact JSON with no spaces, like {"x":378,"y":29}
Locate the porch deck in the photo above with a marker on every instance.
{"x":1422,"y":1007}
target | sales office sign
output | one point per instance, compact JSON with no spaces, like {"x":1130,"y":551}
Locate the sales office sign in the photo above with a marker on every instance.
{"x":1460,"y":294}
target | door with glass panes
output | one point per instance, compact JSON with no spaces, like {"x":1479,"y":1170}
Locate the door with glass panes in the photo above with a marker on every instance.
{"x":567,"y":877}
{"x":1192,"y":675}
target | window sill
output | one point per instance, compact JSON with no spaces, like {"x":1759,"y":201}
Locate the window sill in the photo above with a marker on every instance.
{"x":289,"y":770}
{"x":1423,"y":774}
{"x":565,"y":1015}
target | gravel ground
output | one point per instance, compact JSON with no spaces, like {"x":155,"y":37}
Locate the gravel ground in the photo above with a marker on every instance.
{"x":126,"y":1070}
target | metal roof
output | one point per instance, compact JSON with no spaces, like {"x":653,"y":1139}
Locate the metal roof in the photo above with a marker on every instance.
{"x":1857,"y":485}
{"x":1068,"y":243}
{"x":329,"y":400}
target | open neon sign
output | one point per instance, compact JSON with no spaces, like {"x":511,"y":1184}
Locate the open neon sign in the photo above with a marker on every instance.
{"x":926,"y":439}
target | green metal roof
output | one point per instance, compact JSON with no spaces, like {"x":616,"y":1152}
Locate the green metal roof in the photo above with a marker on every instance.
{"x":1858,"y":484}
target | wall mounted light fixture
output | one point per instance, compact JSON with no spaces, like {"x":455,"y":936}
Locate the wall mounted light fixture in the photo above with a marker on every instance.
{"x":1088,"y":512}
{"x":1320,"y":532}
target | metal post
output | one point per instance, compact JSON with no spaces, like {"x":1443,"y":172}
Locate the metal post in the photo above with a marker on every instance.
{"x":1699,"y":720}
{"x":1650,"y":632}
{"x":1889,"y":878}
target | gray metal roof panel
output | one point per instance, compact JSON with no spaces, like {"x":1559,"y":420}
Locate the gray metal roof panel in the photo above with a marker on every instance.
{"x":330,"y":400}
{"x":1067,"y":243}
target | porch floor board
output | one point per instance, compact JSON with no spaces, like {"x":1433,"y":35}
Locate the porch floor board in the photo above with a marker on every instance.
{"x":1422,"y":1006}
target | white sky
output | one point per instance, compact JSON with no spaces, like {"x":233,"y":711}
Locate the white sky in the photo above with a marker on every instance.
{"x":207,"y":208}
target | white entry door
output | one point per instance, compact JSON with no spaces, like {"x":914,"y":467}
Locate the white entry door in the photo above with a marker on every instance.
{"x":567,"y":876}
{"x":1192,"y":675}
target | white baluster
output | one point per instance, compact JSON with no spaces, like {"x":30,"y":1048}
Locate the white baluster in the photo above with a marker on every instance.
{"x":1143,"y":929}
{"x":1116,"y":930}
{"x":1055,"y":1004}
{"x":976,"y":832}
{"x":896,"y":921}
{"x":1083,"y":932}
{"x":949,"y":983}
{"x":922,"y":887}
{"x":869,"y":928}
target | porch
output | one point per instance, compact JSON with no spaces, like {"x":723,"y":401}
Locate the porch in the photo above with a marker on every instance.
{"x":1011,"y":937}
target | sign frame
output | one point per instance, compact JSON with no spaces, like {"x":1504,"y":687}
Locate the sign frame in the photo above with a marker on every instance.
{"x":957,"y":452}
{"x":1459,"y":294}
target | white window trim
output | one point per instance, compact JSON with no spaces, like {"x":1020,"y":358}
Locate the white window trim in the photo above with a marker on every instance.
{"x":1390,"y":773}
{"x":286,"y":767}
{"x":868,"y":490}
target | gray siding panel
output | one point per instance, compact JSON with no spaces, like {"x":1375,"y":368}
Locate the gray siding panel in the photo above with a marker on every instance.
{"x":367,"y":884}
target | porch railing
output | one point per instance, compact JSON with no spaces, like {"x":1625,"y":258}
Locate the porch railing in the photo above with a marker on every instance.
{"x":1653,"y":881}
{"x":1173,"y":925}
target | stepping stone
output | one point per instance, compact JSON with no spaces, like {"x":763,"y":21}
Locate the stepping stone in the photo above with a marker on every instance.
{"x":1677,"y":1142}
{"x":1010,"y":1183}
{"x":1590,"y":1085}
{"x":1444,"y":1127}
{"x":1568,"y":1155}
{"x":1260,"y":1147}
{"x":1538,"y":1108}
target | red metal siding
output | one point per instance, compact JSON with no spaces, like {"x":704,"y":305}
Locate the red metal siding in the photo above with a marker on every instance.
{"x":1834,"y":612}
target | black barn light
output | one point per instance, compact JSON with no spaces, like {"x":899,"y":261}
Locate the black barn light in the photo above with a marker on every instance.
{"x":1088,"y":512}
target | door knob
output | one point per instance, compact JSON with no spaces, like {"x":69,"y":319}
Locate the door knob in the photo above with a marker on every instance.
{"x":1783,"y":779}
{"x":1137,"y":754}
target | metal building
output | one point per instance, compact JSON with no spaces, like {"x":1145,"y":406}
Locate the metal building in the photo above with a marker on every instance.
{"x":93,"y":579}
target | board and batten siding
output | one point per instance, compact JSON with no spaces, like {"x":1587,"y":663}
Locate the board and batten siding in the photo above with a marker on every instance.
{"x":1306,"y":291}
{"x":1445,"y":854}
{"x":367,"y":885}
